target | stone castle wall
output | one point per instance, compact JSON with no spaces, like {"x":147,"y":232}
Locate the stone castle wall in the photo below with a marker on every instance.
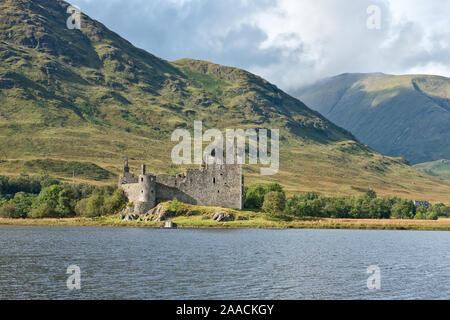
{"x":212,"y":185}
{"x":142,"y":193}
{"x":216,"y":185}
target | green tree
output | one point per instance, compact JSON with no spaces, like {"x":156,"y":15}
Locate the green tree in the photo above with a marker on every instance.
{"x":8,"y":211}
{"x":22,"y":202}
{"x":48,"y":197}
{"x":379,"y":208}
{"x":371,"y":194}
{"x":274,"y":202}
{"x":273,"y":187}
{"x":254,"y":196}
{"x":44,"y":211}
{"x":403,"y":209}
{"x":80,"y":207}
{"x":115,"y":202}
{"x":94,"y":206}
{"x":47,"y":181}
{"x":65,"y":203}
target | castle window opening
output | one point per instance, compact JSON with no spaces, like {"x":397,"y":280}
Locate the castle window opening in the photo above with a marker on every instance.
{"x":214,"y":180}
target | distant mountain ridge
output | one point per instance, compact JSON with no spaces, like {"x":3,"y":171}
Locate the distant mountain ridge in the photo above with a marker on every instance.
{"x":404,"y":116}
{"x":74,"y":98}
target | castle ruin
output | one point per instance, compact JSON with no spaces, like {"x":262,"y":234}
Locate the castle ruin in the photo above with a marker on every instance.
{"x":214,"y":184}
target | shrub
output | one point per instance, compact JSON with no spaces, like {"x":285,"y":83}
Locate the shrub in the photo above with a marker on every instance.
{"x":22,"y":202}
{"x":440,"y":210}
{"x":403,"y":210}
{"x":80,"y":207}
{"x":431,"y":216}
{"x":94,"y":206}
{"x":116,"y":202}
{"x":44,"y":211}
{"x":371,"y":194}
{"x":254,"y":195}
{"x":379,"y":208}
{"x":8,"y":211}
{"x":419,"y":216}
{"x":274,"y":202}
{"x":47,"y":181}
{"x":174,"y":205}
{"x":48,"y":197}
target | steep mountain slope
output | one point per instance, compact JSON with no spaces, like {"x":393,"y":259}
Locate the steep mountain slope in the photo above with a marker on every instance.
{"x":407,"y":116}
{"x":83,"y":98}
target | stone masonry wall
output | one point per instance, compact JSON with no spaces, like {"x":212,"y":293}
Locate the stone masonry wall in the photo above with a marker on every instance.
{"x":215,"y":185}
{"x":212,"y":185}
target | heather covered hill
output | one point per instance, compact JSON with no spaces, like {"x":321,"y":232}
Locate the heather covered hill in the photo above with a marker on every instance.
{"x":85,"y":97}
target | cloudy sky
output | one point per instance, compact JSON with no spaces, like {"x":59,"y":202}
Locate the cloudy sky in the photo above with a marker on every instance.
{"x":289,"y":42}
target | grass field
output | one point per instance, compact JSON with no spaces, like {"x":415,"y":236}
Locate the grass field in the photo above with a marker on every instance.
{"x":257,"y":221}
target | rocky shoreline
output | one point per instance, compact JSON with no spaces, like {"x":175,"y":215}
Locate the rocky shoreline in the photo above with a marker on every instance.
{"x":160,"y":213}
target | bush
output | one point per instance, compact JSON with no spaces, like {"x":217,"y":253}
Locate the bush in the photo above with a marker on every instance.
{"x":174,"y":206}
{"x":274,"y":202}
{"x":47,"y":181}
{"x":116,"y":202}
{"x":22,"y":202}
{"x":48,"y":197}
{"x":94,"y":206}
{"x":439,"y":210}
{"x":432,"y":216}
{"x":371,"y":194}
{"x":44,"y":211}
{"x":403,"y":210}
{"x":8,"y":211}
{"x":420,"y":216}
{"x":60,"y":198}
{"x":80,"y":208}
{"x":254,"y":195}
{"x":379,"y":209}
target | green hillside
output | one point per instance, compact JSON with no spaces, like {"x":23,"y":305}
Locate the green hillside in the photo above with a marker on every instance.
{"x":75,"y":101}
{"x":439,"y":168}
{"x":404,"y":116}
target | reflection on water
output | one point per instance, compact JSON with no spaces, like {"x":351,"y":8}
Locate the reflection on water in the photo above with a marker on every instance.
{"x":131,"y":263}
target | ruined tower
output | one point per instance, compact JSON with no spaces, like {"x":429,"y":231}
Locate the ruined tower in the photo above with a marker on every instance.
{"x":140,"y":190}
{"x":213,"y":184}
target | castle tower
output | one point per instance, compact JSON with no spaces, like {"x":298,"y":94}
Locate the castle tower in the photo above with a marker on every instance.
{"x":126,"y":168}
{"x":147,"y":189}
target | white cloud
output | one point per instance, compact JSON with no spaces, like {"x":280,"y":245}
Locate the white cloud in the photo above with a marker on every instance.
{"x":288,"y":42}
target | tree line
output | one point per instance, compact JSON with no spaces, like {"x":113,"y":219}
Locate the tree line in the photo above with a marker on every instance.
{"x":272,"y":199}
{"x":44,"y":197}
